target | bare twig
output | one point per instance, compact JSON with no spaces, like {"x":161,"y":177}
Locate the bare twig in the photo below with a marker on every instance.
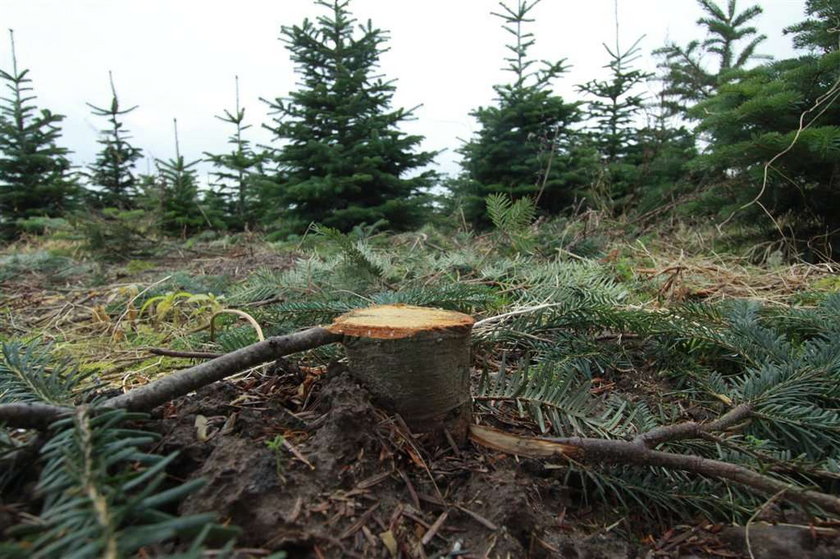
{"x":691,"y":429}
{"x":35,"y":416}
{"x":185,"y":354}
{"x":484,"y":323}
{"x":434,"y":528}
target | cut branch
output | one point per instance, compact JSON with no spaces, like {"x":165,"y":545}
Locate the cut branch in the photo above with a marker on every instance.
{"x":624,"y":452}
{"x":691,"y":429}
{"x":179,"y":383}
{"x":639,"y":453}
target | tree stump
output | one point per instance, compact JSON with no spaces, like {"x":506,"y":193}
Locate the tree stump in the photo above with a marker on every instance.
{"x":415,"y":361}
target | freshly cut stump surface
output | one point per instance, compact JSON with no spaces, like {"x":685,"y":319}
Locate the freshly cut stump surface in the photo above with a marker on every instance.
{"x":415,"y":361}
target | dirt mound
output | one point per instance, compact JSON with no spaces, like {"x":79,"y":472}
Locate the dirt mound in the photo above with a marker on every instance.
{"x":344,"y":479}
{"x":348,"y":480}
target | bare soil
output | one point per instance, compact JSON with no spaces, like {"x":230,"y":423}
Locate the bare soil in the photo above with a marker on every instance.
{"x":353,"y":482}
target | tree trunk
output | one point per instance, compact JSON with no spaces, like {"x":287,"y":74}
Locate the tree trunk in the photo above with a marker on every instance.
{"x":415,"y":361}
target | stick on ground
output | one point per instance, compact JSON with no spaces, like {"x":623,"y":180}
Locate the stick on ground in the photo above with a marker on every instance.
{"x":179,"y":383}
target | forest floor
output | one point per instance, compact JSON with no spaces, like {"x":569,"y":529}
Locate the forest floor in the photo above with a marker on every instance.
{"x":297,"y":456}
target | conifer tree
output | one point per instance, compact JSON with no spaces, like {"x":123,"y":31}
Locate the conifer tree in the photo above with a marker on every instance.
{"x":34,"y":170}
{"x":113,"y":171}
{"x":524,"y":144}
{"x":612,"y":114}
{"x":776,"y":130}
{"x":687,"y":77}
{"x":616,"y":105}
{"x":344,"y":160}
{"x":821,"y":31}
{"x":180,"y":212}
{"x":663,"y":156}
{"x":236,"y":174}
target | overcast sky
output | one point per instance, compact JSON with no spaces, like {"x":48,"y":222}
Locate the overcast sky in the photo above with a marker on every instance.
{"x":178,"y":58}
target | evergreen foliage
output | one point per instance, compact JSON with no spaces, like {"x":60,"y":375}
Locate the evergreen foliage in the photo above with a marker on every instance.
{"x":553,"y":332}
{"x":237,"y":173}
{"x":662,"y":160}
{"x":820,"y":31}
{"x":777,"y":129}
{"x":118,"y":235}
{"x":180,"y":212}
{"x":687,"y":78}
{"x":526,"y":145}
{"x":513,"y":220}
{"x":113,"y":171}
{"x":613,"y":113}
{"x":102,"y":495}
{"x":34,"y":170}
{"x":616,"y":105}
{"x":558,"y":327}
{"x":345,"y":161}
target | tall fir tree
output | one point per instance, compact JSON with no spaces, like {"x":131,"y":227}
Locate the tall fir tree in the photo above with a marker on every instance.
{"x":35,"y":177}
{"x":616,"y":103}
{"x":774,"y":133}
{"x":688,"y":78}
{"x":113,"y":171}
{"x":344,"y":160}
{"x":612,"y":116}
{"x":525,"y":143}
{"x":180,"y":212}
{"x":238,"y":172}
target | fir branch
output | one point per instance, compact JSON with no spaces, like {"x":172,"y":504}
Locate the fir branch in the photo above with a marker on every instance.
{"x":28,"y":374}
{"x":635,"y":452}
{"x":103,"y":496}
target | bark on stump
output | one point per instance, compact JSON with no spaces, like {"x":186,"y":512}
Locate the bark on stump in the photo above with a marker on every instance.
{"x":415,"y":361}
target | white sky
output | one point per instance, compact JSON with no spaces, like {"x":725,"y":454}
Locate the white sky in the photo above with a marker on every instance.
{"x":178,"y":58}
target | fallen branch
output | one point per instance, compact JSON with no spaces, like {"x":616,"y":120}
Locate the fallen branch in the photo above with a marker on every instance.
{"x":624,"y":452}
{"x":691,"y":429}
{"x":179,"y":383}
{"x":34,"y":416}
{"x":640,"y":452}
{"x":186,"y":380}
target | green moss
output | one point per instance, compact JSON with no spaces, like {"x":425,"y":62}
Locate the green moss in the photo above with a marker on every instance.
{"x":138,"y":266}
{"x":830,"y":284}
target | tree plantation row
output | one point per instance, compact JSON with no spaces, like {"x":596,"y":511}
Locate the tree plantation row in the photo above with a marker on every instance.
{"x":731,"y":136}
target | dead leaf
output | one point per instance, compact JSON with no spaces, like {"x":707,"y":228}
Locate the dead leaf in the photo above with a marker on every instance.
{"x":100,"y":314}
{"x":390,"y":542}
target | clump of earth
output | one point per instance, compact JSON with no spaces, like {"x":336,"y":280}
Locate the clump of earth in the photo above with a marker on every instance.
{"x":344,"y":479}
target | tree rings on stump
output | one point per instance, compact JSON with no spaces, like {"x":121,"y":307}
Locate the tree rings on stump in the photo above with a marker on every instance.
{"x":415,"y":361}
